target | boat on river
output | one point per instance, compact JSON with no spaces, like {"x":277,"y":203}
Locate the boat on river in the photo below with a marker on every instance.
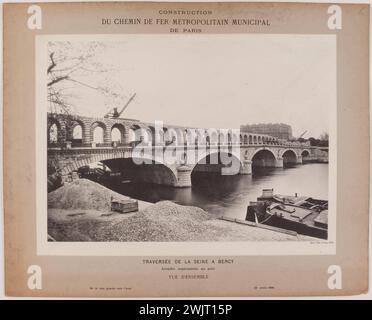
{"x":302,"y":214}
{"x":99,"y":172}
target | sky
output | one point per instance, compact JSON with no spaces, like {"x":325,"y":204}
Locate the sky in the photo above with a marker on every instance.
{"x":220,"y":81}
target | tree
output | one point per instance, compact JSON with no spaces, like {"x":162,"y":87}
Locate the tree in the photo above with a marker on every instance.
{"x":74,"y":65}
{"x":321,"y":142}
{"x":324,"y":136}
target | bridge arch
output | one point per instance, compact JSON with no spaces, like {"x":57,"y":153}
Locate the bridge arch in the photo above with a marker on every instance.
{"x":207,"y":140}
{"x":98,"y":135}
{"x":78,"y":133}
{"x":54,"y":131}
{"x":118,"y":133}
{"x":289,"y":157}
{"x":77,"y":129}
{"x":139,"y":171}
{"x":263,"y":158}
{"x":217,"y":162}
{"x":305,"y":153}
{"x":135,"y":133}
{"x":171,"y":136}
{"x":222,"y":138}
{"x":211,"y":136}
{"x":98,"y":132}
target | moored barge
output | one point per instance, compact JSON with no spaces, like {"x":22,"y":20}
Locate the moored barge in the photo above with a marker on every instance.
{"x":304,"y":215}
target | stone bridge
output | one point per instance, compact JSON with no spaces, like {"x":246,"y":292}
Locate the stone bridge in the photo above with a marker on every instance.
{"x":165,"y":154}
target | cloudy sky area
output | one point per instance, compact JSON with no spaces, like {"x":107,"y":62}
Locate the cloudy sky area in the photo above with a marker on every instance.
{"x":222,"y":81}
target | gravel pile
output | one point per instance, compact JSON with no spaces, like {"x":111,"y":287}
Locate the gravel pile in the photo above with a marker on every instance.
{"x":164,"y":221}
{"x":82,"y":194}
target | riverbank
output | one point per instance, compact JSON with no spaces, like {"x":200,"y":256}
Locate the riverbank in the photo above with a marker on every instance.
{"x":80,"y":211}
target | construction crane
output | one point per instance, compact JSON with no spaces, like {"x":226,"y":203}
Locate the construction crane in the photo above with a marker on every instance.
{"x":113,"y":113}
{"x":303,"y":133}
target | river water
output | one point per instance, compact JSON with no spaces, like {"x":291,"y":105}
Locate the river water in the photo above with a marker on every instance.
{"x":230,"y":195}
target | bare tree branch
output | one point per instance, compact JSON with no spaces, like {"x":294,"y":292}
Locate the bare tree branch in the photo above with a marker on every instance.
{"x":57,"y":80}
{"x":50,"y":68}
{"x":74,"y":63}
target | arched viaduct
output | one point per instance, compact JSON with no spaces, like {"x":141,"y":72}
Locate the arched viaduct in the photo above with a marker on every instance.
{"x":164,"y":154}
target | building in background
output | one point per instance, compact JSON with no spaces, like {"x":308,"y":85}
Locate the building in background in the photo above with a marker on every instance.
{"x":278,"y":130}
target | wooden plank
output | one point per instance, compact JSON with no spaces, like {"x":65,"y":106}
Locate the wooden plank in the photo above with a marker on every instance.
{"x":249,"y":223}
{"x":260,"y":225}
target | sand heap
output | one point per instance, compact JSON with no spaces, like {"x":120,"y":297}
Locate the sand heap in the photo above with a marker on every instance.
{"x":83,"y":194}
{"x":164,"y":221}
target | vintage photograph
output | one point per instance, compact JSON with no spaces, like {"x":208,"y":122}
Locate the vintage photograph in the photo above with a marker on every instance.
{"x":189,"y":138}
{"x":169,"y":149}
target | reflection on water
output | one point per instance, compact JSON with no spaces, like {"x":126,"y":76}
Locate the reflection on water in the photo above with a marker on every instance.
{"x":230,"y":195}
